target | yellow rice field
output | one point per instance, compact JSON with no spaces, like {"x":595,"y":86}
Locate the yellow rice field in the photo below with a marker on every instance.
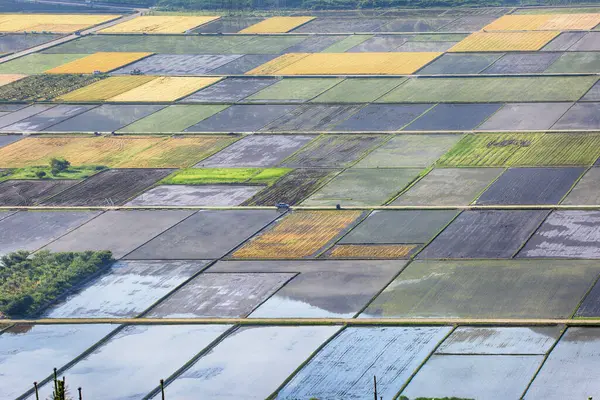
{"x":8,"y":78}
{"x":278,"y":63}
{"x":168,"y":88}
{"x":277,"y":25}
{"x":106,"y":88}
{"x":102,"y":62}
{"x":59,"y":23}
{"x":544,"y":22}
{"x":298,"y":235}
{"x":359,"y":63}
{"x":374,"y":251}
{"x":160,"y":24}
{"x":504,"y":41}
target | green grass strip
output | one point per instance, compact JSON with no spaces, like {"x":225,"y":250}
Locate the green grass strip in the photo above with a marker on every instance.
{"x":32,"y":173}
{"x":295,"y":89}
{"x":37,"y":63}
{"x":174,"y":118}
{"x":359,"y":90}
{"x":346,"y":44}
{"x":202,"y":176}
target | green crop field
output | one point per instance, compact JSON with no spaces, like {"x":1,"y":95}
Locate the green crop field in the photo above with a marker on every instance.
{"x":201,"y":176}
{"x":175,"y":118}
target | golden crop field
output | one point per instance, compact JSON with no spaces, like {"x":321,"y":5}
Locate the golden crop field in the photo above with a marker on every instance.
{"x":106,"y":88}
{"x":374,"y":251}
{"x":504,"y":41}
{"x":359,"y":63}
{"x":102,"y":61}
{"x":178,"y":152}
{"x":277,"y":25}
{"x":544,"y":22}
{"x":59,"y":23}
{"x":270,"y":67}
{"x":160,"y":24}
{"x":8,"y":78}
{"x":167,"y":88}
{"x":298,"y":235}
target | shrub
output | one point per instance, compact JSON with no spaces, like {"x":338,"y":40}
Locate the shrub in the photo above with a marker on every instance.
{"x":40,"y":174}
{"x":58,"y":165}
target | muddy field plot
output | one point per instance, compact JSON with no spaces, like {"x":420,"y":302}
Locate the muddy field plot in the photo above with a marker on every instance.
{"x":193,"y":195}
{"x":566,"y":234}
{"x":358,"y":90}
{"x":345,"y":367}
{"x":312,"y":118}
{"x":486,"y":289}
{"x":590,"y":307}
{"x":380,"y":44}
{"x":229,"y":90}
{"x":453,"y":117}
{"x":174,"y":118}
{"x":485,"y":234}
{"x":124,"y":359}
{"x":220,"y":295}
{"x":232,"y":24}
{"x":30,"y":192}
{"x":563,"y":42}
{"x":30,"y":230}
{"x":531,"y":186}
{"x":29,"y":352}
{"x":577,"y":62}
{"x":301,"y":234}
{"x":516,"y":63}
{"x":382,"y":117}
{"x":22,"y":113}
{"x":587,"y":190}
{"x":112,"y":187}
{"x":448,"y":186}
{"x":119,"y":231}
{"x":10,"y":43}
{"x":363,"y":187}
{"x":46,"y":119}
{"x":580,"y":116}
{"x":525,"y":116}
{"x":459,"y":64}
{"x":408,"y":151}
{"x":8,"y":139}
{"x":590,"y":42}
{"x":205,"y":235}
{"x":256,"y":151}
{"x":244,"y":64}
{"x":293,"y":187}
{"x":332,"y":151}
{"x":593,"y":94}
{"x":242,"y":118}
{"x":106,"y":118}
{"x":294,"y":90}
{"x":565,"y":372}
{"x":246,"y":357}
{"x":36,"y":63}
{"x":336,"y":25}
{"x":178,"y":64}
{"x":125,"y":290}
{"x":315,"y":44}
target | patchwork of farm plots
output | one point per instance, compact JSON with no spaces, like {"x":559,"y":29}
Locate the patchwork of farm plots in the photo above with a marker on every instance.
{"x":297,"y":203}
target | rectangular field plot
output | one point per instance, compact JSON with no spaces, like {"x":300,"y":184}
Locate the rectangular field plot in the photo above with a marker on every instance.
{"x":277,"y":25}
{"x":298,"y":235}
{"x":246,"y":357}
{"x":345,"y":367}
{"x":196,"y":195}
{"x":580,"y":116}
{"x":474,"y":376}
{"x":593,"y":94}
{"x":346,"y":44}
{"x":448,"y":187}
{"x":44,"y":87}
{"x":564,"y":41}
{"x":216,"y":295}
{"x":382,"y":117}
{"x":58,"y":23}
{"x":528,"y":63}
{"x":229,"y":90}
{"x":112,"y":187}
{"x":168,"y":88}
{"x":226,"y":24}
{"x":545,"y":22}
{"x":178,"y":64}
{"x":125,"y":290}
{"x":587,"y":190}
{"x":379,"y":44}
{"x":36,"y":63}
{"x":453,"y":117}
{"x":5,"y":140}
{"x":242,"y":118}
{"x":566,"y":371}
{"x":423,"y":46}
{"x":10,"y":43}
{"x":293,"y":187}
{"x":590,"y":306}
{"x":294,"y":90}
{"x":332,"y":151}
{"x":459,"y":64}
{"x":525,"y":116}
{"x":559,"y":150}
{"x":205,"y":235}
{"x":531,"y":186}
{"x":362,"y":187}
{"x":566,"y":234}
{"x":256,"y":151}
{"x":468,"y":23}
{"x":485,"y":234}
{"x":118,"y":231}
{"x":30,"y":192}
{"x":358,"y":90}
{"x":159,"y":24}
{"x":29,"y":353}
{"x":371,"y":251}
{"x":264,"y":44}
{"x":315,"y":44}
{"x":106,"y":88}
{"x":103,"y":62}
{"x":336,"y":25}
{"x":175,"y":118}
{"x":27,"y":230}
{"x":48,"y":118}
{"x":485,"y":289}
{"x":106,"y":118}
{"x":273,"y":65}
{"x":576,"y":62}
{"x":244,"y":64}
{"x":312,"y":117}
{"x":24,"y":112}
{"x":590,"y":42}
{"x":125,"y":361}
{"x":8,"y":78}
{"x":490,"y":89}
{"x":504,"y":41}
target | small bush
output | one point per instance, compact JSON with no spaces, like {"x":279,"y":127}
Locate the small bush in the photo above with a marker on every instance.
{"x":58,"y":165}
{"x":40,"y":174}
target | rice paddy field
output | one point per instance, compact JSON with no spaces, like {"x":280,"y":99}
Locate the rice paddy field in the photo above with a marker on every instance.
{"x":300,"y":203}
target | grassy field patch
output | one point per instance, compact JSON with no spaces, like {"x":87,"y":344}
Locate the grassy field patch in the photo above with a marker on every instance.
{"x":300,"y":89}
{"x":36,"y":63}
{"x":34,"y":172}
{"x":102,"y":62}
{"x":174,"y":118}
{"x":201,"y":176}
{"x":359,"y":90}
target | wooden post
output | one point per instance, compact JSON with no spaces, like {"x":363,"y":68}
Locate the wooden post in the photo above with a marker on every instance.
{"x":80,"y":396}
{"x":37,"y":395}
{"x":375,"y":386}
{"x":55,"y":383}
{"x":162,"y":388}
